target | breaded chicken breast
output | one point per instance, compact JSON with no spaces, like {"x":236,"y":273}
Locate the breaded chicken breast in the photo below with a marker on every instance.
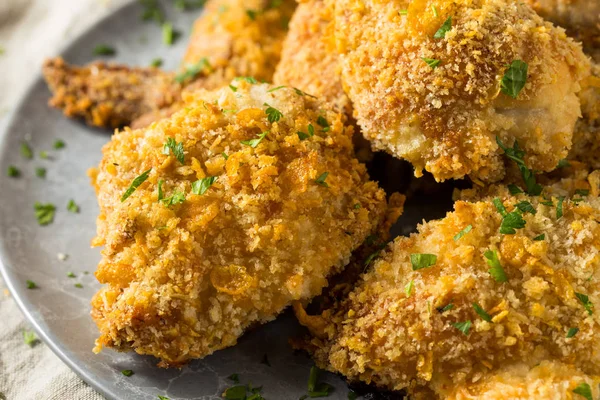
{"x":220,"y":216}
{"x":231,"y":38}
{"x":309,"y":59}
{"x":581,"y":18}
{"x":494,"y":283}
{"x":435,"y":81}
{"x":586,"y":139}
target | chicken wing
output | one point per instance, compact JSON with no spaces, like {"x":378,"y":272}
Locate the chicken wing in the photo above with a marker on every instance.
{"x":231,"y":38}
{"x":435,"y":81}
{"x":222,"y":215}
{"x":471,"y":295}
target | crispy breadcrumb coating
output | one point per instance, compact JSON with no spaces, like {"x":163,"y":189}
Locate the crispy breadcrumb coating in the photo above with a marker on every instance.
{"x":186,"y":279}
{"x":231,"y":38}
{"x":550,"y":380}
{"x":309,"y":60}
{"x":399,"y":327}
{"x":586,"y":138}
{"x":109,"y":95}
{"x":581,"y":18}
{"x":445,"y":119}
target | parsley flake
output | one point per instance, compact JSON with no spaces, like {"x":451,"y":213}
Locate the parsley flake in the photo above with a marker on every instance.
{"x":177,"y":197}
{"x":191,"y":71}
{"x":44,"y":213}
{"x":484,"y":315}
{"x":409,"y":288}
{"x":29,"y":338}
{"x":252,"y":14}
{"x":421,"y":261}
{"x":517,"y":155}
{"x":225,"y":156}
{"x":236,"y":393}
{"x":254,"y":142}
{"x":135,"y":184}
{"x":127,"y":372}
{"x":157,"y":62}
{"x":496,"y":270}
{"x":275,"y":89}
{"x":104,"y":50}
{"x":248,"y":79}
{"x":40,"y":172}
{"x":321,"y":179}
{"x":564,"y":163}
{"x":273,"y":114}
{"x":72,"y":207}
{"x":446,"y":26}
{"x":322,"y":122}
{"x":235,"y":378}
{"x":162,"y":397}
{"x":71,"y":275}
{"x":317,"y":389}
{"x":175,"y":148}
{"x":447,"y":307}
{"x":462,"y":233}
{"x":584,"y":390}
{"x":152,"y":11}
{"x":585,"y":300}
{"x":432,"y":62}
{"x":59,"y":144}
{"x":31,"y":284}
{"x":13,"y":172}
{"x":44,"y":155}
{"x":526,"y":207}
{"x":26,"y":151}
{"x":559,"y":207}
{"x":78,"y":285}
{"x":464,"y":327}
{"x":514,"y":189}
{"x":169,"y":34}
{"x":540,"y":237}
{"x":201,"y":186}
{"x":514,"y":78}
{"x":582,"y":192}
{"x":572,"y":332}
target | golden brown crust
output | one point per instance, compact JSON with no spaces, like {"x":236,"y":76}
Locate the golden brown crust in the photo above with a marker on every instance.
{"x":445,"y":119}
{"x":108,"y":95}
{"x":186,"y":280}
{"x":309,"y":60}
{"x":382,"y":335}
{"x":586,"y":138}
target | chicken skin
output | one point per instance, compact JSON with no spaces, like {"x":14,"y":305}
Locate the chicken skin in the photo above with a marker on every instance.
{"x":220,"y":216}
{"x":453,"y":307}
{"x":231,"y":38}
{"x":435,"y":81}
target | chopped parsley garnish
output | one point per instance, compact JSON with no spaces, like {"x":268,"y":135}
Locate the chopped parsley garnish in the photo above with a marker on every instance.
{"x":357,"y":206}
{"x":462,"y":233}
{"x":236,"y":393}
{"x":71,"y":275}
{"x":233,"y":88}
{"x":254,"y":142}
{"x":59,"y":144}
{"x":184,"y":5}
{"x":169,"y":34}
{"x":40,"y":172}
{"x":152,"y":11}
{"x":127,"y":372}
{"x":31,"y":284}
{"x":585,"y":300}
{"x":582,"y":192}
{"x":526,"y":207}
{"x":265,"y":360}
{"x":301,"y":93}
{"x":432,"y":62}
{"x":176,"y":148}
{"x":564,"y":163}
{"x":252,"y":14}
{"x":446,"y":26}
{"x":78,"y":285}
{"x":514,"y":189}
{"x":157,"y":62}
{"x":420,"y":261}
{"x":584,"y":390}
{"x":409,"y":287}
{"x":192,"y":70}
{"x":162,"y":397}
{"x":322,"y":122}
{"x":13,"y":171}
{"x":104,"y":50}
{"x":135,"y":184}
{"x":517,"y":155}
{"x":496,"y":270}
{"x":499,"y":206}
{"x":371,"y":257}
{"x":548,"y":203}
{"x":275,"y":88}
{"x":201,"y":186}
{"x":572,"y":332}
{"x":403,"y":12}
{"x":559,"y":207}
{"x":484,"y":315}
{"x":26,"y":151}
{"x":321,"y":179}
{"x":435,"y":11}
{"x":514,"y":79}
{"x":44,"y":155}
{"x":44,"y":213}
{"x":161,"y":194}
{"x":304,"y":136}
{"x":273,"y":114}
{"x":225,"y":156}
{"x":447,"y":307}
{"x":464,"y":327}
{"x":176,"y":198}
{"x":510,"y":221}
{"x":29,"y":338}
{"x":540,"y":237}
{"x":248,"y":79}
{"x":235,"y":378}
{"x":317,"y":389}
{"x":72,"y":206}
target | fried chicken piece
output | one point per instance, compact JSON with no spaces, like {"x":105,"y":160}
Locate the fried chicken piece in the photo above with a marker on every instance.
{"x":550,"y":380}
{"x":439,"y":102}
{"x":109,"y":95}
{"x":309,"y":59}
{"x":442,"y":311}
{"x":586,"y":139}
{"x":231,"y":38}
{"x":581,"y":18}
{"x":255,"y":217}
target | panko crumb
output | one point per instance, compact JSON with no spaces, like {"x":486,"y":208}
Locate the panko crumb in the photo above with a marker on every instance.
{"x":283,"y":213}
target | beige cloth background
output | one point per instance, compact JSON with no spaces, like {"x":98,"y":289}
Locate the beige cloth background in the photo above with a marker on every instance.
{"x":30,"y":31}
